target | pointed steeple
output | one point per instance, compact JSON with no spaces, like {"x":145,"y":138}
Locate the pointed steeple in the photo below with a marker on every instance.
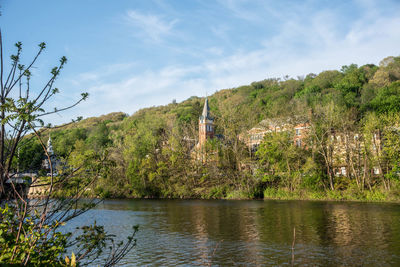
{"x":206,"y":125}
{"x":206,"y":111}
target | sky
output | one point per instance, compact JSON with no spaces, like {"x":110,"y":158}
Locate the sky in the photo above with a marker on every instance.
{"x":131,"y":54}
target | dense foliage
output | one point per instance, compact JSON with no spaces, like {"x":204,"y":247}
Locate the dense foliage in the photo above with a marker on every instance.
{"x":31,"y":229}
{"x":150,"y":154}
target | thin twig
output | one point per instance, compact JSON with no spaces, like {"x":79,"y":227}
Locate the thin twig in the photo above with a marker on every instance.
{"x":213,"y":253}
{"x":293,"y":243}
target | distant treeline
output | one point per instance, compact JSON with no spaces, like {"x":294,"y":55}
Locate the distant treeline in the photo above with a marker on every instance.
{"x":149,"y":154}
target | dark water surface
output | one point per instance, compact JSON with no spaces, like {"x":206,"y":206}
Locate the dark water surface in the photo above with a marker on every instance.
{"x":254,"y":233}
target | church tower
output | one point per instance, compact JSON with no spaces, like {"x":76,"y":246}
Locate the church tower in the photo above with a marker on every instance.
{"x":206,"y":125}
{"x":50,"y":150}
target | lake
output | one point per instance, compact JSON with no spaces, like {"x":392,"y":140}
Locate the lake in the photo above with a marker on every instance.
{"x":253,"y":232}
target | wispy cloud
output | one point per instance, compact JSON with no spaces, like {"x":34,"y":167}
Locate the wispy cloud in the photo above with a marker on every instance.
{"x":240,"y":9}
{"x":103,"y":73}
{"x":152,"y":26}
{"x":326,"y":48}
{"x":220,"y":31}
{"x":305,"y":41}
{"x":133,"y":54}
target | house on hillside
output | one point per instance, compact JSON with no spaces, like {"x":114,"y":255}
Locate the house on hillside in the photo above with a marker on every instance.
{"x":298,"y":126}
{"x":345,"y":150}
{"x":301,"y":132}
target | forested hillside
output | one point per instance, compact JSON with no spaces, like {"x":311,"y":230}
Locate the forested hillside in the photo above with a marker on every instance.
{"x":149,"y":154}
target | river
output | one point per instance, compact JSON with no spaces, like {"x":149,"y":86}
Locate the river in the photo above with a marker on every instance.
{"x":253,"y":232}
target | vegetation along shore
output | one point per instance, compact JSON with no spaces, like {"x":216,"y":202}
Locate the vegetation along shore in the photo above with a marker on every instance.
{"x":332,"y":135}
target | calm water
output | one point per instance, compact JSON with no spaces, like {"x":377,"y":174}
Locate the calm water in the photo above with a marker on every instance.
{"x":254,"y":233}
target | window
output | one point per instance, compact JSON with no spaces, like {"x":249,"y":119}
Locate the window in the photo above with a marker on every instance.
{"x":344,"y":171}
{"x":298,"y":132}
{"x":254,"y":148}
{"x":298,"y":142}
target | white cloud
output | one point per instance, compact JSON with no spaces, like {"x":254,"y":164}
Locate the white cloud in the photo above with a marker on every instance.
{"x":154,"y":27}
{"x":220,"y":31}
{"x":217,"y":51}
{"x":240,"y":9}
{"x":103,"y":73}
{"x":303,"y":44}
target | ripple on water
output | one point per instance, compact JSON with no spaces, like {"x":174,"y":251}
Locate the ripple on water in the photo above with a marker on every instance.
{"x":253,"y":233}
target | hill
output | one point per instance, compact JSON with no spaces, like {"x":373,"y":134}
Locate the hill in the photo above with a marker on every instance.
{"x":148,"y":153}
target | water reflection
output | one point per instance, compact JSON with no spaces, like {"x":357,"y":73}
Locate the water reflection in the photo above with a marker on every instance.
{"x":254,"y":233}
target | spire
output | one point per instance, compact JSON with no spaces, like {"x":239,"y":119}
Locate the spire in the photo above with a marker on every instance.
{"x":50,"y":146}
{"x":206,"y":110}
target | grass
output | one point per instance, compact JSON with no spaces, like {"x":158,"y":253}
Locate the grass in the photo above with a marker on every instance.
{"x":374,"y":195}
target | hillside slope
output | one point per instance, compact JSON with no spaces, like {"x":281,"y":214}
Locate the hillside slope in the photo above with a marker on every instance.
{"x":148,"y":153}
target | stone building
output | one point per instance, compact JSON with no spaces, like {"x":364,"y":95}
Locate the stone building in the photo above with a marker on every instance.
{"x":348,"y":152}
{"x":301,"y":132}
{"x":298,"y":127}
{"x":345,"y":150}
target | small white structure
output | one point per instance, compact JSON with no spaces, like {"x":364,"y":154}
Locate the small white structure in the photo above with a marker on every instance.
{"x":53,"y":158}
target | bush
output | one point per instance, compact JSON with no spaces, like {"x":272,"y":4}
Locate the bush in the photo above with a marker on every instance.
{"x":238,"y":194}
{"x":217,"y":192}
{"x":29,"y":245}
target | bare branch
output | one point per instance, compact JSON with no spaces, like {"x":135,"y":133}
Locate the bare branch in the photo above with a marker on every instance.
{"x":84,"y":96}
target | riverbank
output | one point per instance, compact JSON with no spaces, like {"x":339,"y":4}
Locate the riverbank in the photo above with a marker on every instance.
{"x":375,"y":195}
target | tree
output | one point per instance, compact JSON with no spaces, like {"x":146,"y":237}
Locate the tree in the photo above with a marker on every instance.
{"x":30,"y":229}
{"x":329,"y":123}
{"x":382,"y":146}
{"x":280,"y":160}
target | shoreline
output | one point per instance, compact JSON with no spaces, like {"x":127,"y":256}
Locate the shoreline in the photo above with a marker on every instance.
{"x":287,"y":198}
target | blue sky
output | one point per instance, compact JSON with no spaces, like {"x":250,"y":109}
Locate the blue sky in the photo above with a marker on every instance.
{"x":134,"y":54}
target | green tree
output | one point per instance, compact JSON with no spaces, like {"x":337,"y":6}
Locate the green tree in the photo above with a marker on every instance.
{"x":382,"y":138}
{"x":387,"y":99}
{"x":280,"y":160}
{"x":30,"y":230}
